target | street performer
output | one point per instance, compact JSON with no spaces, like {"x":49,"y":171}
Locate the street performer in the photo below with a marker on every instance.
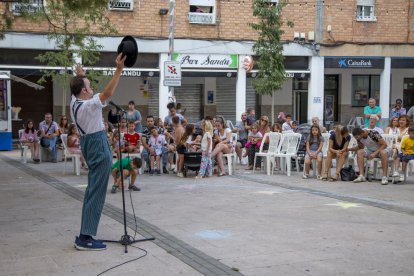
{"x":86,"y":112}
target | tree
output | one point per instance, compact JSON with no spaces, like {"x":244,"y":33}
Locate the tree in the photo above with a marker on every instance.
{"x":268,"y":47}
{"x":72,"y":27}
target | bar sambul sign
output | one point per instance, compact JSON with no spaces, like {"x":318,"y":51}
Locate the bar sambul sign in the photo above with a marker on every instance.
{"x":206,"y":61}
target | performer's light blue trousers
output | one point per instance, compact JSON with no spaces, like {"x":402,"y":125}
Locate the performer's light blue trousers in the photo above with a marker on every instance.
{"x":96,"y":150}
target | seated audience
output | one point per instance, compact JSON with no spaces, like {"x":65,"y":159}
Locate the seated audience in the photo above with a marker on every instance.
{"x":73,"y":143}
{"x":49,"y":132}
{"x":406,"y":154}
{"x":337,"y":148}
{"x":314,"y":146}
{"x":156,"y":144}
{"x":224,"y":145}
{"x":372,"y":124}
{"x":132,"y":139}
{"x":29,"y":139}
{"x":370,"y":145}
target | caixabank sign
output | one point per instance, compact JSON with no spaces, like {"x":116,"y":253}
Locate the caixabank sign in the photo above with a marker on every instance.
{"x":121,"y":5}
{"x":354,"y":62}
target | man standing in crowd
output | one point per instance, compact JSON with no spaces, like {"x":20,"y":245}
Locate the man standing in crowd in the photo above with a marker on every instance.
{"x":371,"y":109}
{"x":172,"y":112}
{"x":398,"y":110}
{"x":370,"y":145}
{"x":86,"y":112}
{"x":241,"y":131}
{"x":49,"y":132}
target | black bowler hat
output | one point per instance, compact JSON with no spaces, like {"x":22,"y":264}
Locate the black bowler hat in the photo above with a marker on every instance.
{"x":129,"y":48}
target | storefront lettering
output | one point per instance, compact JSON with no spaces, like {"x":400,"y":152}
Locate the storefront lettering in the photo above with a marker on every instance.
{"x":188,"y":60}
{"x":125,"y":73}
{"x":206,"y":60}
{"x":210,"y":61}
{"x":360,"y":63}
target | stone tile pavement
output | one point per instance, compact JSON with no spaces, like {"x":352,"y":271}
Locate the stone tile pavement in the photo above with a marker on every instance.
{"x":254,"y":224}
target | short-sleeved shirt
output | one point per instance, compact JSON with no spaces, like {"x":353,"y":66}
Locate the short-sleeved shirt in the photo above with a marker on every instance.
{"x":407,"y":145}
{"x":88,"y":114}
{"x":286,"y":127}
{"x":371,"y":143}
{"x":204,"y":142}
{"x":31,"y":136}
{"x":224,"y":136}
{"x":335,"y":145}
{"x":377,"y":129}
{"x":43,"y":125}
{"x":242,"y":131}
{"x":135,"y":116}
{"x":132,"y":138}
{"x":126,"y":164}
{"x":397,"y":113}
{"x":157,"y":143}
{"x":369,"y":110}
{"x":146,"y":133}
{"x":313,"y":142}
{"x":168,"y":118}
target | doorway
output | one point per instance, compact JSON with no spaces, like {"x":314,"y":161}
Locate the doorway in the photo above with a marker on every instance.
{"x":408,"y":93}
{"x":300,"y":106}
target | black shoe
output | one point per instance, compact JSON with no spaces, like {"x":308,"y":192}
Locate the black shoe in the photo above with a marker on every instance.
{"x":134,"y":188}
{"x":164,"y":170}
{"x":158,"y":172}
{"x":151,"y":172}
{"x":114,"y":189}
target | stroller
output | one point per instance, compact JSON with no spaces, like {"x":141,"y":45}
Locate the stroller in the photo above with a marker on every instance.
{"x":192,"y":161}
{"x":303,"y":129}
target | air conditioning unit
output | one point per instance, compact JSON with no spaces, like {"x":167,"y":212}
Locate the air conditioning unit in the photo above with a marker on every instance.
{"x":201,"y":18}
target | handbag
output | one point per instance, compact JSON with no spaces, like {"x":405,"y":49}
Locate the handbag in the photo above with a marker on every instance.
{"x":348,"y":174}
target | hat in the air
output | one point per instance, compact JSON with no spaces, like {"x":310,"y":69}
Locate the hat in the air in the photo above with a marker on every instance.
{"x":129,"y":47}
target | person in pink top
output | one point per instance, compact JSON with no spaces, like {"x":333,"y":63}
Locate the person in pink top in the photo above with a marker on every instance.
{"x":29,"y":138}
{"x":73,"y":143}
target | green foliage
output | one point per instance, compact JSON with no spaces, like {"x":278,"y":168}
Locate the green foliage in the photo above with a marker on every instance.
{"x":268,"y":46}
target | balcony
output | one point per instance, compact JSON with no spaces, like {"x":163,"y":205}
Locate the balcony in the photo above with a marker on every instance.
{"x":201,"y":18}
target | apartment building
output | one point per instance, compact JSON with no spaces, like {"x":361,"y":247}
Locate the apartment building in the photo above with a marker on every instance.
{"x":337,"y":55}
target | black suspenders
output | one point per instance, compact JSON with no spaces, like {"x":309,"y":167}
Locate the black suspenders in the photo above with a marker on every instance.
{"x":75,"y":115}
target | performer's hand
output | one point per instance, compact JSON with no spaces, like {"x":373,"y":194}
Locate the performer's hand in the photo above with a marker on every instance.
{"x":80,"y":72}
{"x":120,"y":61}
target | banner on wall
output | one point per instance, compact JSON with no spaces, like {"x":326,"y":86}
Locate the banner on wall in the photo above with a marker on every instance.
{"x":206,"y":61}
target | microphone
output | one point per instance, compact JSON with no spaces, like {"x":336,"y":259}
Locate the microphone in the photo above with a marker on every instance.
{"x":118,"y":108}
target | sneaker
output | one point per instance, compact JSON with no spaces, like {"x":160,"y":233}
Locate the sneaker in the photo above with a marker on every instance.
{"x":402,"y":177}
{"x":172,"y":168}
{"x":305,"y":176}
{"x":151,"y":172}
{"x":158,"y":172}
{"x":243,"y":162}
{"x":89,"y":244}
{"x":319,"y":177}
{"x":360,"y":178}
{"x":114,"y":189}
{"x":396,"y":174}
{"x":384,"y":180}
{"x":180,"y":174}
{"x":134,"y":188}
{"x":164,"y":170}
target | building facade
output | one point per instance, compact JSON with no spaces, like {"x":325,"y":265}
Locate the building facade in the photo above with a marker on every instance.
{"x":337,"y":55}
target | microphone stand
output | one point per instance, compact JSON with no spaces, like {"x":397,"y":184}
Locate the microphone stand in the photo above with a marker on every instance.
{"x":125,"y":239}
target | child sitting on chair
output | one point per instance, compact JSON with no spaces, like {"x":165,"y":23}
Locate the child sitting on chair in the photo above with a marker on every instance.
{"x":156,"y":143}
{"x":73,"y":144}
{"x":407,"y":153}
{"x":132,"y":139}
{"x":254,"y":138}
{"x":129,"y":166}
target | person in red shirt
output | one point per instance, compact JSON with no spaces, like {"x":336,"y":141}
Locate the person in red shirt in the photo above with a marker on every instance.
{"x":132,"y":139}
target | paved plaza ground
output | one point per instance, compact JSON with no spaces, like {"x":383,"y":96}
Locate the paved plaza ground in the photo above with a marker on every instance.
{"x":245,"y":224}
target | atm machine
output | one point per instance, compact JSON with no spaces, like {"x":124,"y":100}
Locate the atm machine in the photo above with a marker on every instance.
{"x":5,"y":111}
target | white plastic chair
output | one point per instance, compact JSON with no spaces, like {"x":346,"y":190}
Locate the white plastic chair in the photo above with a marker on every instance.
{"x":75,"y":157}
{"x":274,"y":139}
{"x":288,"y":148}
{"x":23,"y":147}
{"x":230,"y":124}
{"x":232,"y":157}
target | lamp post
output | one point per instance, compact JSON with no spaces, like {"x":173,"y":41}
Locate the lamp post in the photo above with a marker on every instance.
{"x":171,"y":41}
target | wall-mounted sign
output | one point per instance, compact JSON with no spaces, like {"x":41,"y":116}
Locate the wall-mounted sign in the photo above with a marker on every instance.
{"x":29,"y":7}
{"x":402,"y":62}
{"x":121,"y":5}
{"x":172,"y":73}
{"x":353,"y":62}
{"x":206,"y":61}
{"x":125,"y":73}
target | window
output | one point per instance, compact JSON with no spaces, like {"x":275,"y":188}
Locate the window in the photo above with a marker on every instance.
{"x":202,"y":12}
{"x":366,"y":10}
{"x":363,"y":88}
{"x":17,"y":8}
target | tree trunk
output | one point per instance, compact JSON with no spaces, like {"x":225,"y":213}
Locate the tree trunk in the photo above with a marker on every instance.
{"x":273,"y":107}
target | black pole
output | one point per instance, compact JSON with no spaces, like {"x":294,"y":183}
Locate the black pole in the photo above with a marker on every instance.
{"x":125,"y":239}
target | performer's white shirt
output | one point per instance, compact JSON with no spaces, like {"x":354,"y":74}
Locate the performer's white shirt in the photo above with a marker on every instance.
{"x":89,"y":116}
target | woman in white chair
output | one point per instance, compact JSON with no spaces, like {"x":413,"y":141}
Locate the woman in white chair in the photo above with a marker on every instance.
{"x":73,"y":144}
{"x":29,"y":138}
{"x":222,"y":136}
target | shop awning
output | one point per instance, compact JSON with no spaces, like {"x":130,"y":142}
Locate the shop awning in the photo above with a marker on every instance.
{"x":6,"y":76}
